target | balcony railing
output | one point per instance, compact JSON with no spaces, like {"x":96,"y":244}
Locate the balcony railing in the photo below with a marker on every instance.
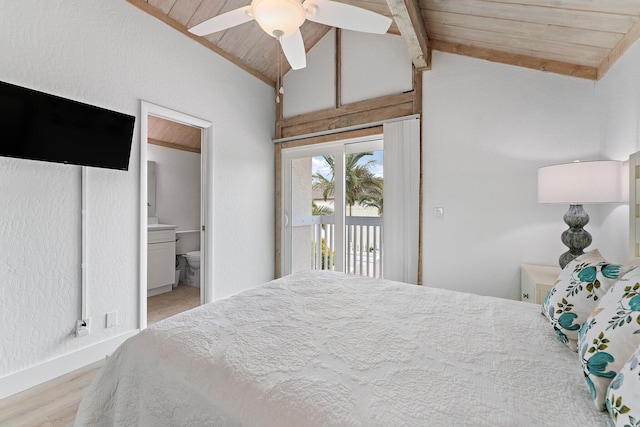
{"x":363,"y":249}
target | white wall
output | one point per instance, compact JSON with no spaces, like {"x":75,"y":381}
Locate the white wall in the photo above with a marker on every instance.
{"x":619,"y":100}
{"x":320,"y":73}
{"x":366,"y":73}
{"x":178,"y":192}
{"x":370,"y":73}
{"x":487,"y":128}
{"x":110,"y":54}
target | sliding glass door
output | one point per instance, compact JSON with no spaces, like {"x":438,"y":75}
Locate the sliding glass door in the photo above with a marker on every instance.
{"x":364,"y":197}
{"x":333,"y":207}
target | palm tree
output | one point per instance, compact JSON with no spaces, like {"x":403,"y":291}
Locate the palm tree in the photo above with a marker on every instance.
{"x":374,"y":196}
{"x":320,"y":210}
{"x":360,"y":181}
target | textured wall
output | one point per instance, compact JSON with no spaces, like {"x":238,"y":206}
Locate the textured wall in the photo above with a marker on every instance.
{"x":619,"y":100}
{"x":110,"y":54}
{"x":487,"y":129}
{"x":371,"y":73}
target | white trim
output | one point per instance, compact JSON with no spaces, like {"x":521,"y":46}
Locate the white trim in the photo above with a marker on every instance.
{"x":206,"y":240}
{"x":207,"y":293}
{"x":373,"y":143}
{"x":288,"y":154}
{"x":175,"y":116}
{"x":144,"y":213}
{"x":346,"y":129}
{"x":45,"y":371}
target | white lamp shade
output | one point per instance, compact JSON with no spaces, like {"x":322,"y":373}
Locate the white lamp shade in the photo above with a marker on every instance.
{"x":284,"y":16}
{"x":581,"y":182}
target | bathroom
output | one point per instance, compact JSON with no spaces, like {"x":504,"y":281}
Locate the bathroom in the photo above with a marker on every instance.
{"x":174,"y":203}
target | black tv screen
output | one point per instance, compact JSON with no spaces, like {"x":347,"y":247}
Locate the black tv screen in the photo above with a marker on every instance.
{"x":38,"y":126}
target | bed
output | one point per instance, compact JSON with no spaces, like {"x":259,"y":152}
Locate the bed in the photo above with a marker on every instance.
{"x":330,"y":349}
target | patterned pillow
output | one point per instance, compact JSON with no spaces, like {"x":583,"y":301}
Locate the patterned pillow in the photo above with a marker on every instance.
{"x":623,"y":396}
{"x":577,"y":292}
{"x":611,"y":335}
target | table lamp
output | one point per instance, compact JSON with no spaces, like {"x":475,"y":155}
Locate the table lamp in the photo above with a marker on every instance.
{"x":576,"y":184}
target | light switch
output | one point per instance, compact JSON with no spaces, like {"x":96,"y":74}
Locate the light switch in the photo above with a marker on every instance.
{"x":438,"y":213}
{"x":112,"y":319}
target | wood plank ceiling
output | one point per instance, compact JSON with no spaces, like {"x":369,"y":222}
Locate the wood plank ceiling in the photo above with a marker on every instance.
{"x":175,"y":135}
{"x":581,"y":38}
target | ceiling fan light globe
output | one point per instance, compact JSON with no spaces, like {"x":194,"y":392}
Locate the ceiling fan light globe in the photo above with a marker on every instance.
{"x":278,"y":18}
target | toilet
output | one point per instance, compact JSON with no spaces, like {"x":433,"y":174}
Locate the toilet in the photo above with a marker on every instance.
{"x":193,"y":268}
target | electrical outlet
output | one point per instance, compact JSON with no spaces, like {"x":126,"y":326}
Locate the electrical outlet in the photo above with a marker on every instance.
{"x":112,"y":319}
{"x":83,"y":327}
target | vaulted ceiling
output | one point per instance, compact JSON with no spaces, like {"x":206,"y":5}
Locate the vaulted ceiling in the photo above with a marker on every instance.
{"x":581,"y":38}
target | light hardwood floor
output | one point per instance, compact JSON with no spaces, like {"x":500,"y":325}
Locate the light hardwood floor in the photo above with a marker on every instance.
{"x":55,"y":403}
{"x":165,"y":305}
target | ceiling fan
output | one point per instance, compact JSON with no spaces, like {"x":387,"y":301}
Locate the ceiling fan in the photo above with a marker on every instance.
{"x":282,"y":19}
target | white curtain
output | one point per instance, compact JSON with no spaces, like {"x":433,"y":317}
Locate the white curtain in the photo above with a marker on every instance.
{"x":401,"y":199}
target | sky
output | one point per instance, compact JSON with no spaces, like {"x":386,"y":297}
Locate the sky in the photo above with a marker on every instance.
{"x":318,"y":164}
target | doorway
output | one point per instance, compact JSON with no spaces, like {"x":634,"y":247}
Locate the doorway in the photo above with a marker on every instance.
{"x":175,"y":162}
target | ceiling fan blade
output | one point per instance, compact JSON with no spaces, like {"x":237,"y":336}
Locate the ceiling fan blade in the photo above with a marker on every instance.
{"x":345,"y":16}
{"x":222,"y":22}
{"x":293,"y":48}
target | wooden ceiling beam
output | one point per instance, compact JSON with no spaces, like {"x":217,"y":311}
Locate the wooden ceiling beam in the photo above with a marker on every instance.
{"x":408,"y":18}
{"x":493,"y":55}
{"x":158,"y":14}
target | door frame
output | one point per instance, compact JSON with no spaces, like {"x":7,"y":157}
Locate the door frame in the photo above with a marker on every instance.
{"x":206,"y":202}
{"x":338,"y":149}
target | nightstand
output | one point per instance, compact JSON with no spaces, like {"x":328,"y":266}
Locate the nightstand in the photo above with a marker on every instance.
{"x":536,"y":281}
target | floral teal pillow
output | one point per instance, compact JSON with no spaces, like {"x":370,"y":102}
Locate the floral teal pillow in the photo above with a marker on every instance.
{"x":623,"y":395}
{"x":578,"y":291}
{"x":611,"y":335}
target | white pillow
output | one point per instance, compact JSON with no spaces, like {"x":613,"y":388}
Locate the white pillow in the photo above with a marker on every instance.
{"x":623,"y":395}
{"x":578,"y":290}
{"x":611,"y":335}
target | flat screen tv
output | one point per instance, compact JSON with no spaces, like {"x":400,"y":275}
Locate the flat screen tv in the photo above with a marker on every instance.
{"x":38,"y":126}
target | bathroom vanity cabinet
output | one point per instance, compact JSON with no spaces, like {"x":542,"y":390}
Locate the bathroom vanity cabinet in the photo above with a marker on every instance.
{"x":161,"y":258}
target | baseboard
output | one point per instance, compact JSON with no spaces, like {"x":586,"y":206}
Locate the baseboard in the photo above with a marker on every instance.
{"x":45,"y":371}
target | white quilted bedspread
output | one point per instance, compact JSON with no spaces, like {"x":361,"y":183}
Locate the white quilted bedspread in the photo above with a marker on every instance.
{"x":327,"y":349}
